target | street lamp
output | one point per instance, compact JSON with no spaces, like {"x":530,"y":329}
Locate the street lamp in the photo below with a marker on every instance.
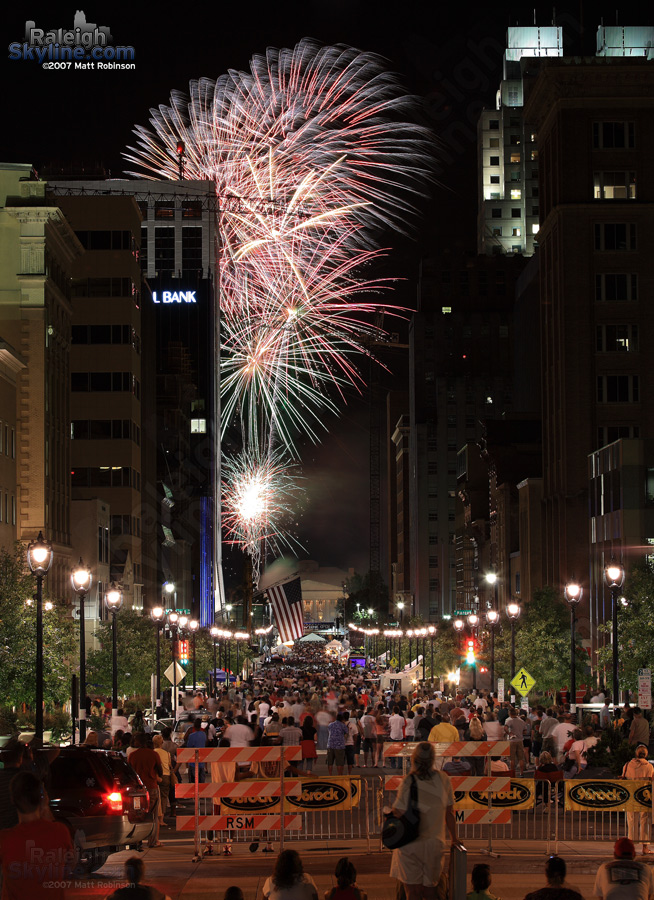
{"x":174,"y":625}
{"x":400,"y":606}
{"x":432,"y":632}
{"x":214,"y":631}
{"x":492,"y":618}
{"x":193,"y":626}
{"x":81,"y":580}
{"x":39,"y":559}
{"x":513,"y":612}
{"x":614,"y":575}
{"x":573,"y":593}
{"x":158,"y":616}
{"x":113,"y":601}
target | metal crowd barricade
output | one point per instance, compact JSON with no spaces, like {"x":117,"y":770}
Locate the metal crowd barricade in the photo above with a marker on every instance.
{"x":280,"y":787}
{"x":488,"y":784}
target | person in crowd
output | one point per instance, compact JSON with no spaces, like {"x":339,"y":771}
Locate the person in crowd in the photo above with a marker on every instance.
{"x":196,"y":736}
{"x":308,"y":744}
{"x":624,"y":878}
{"x":336,"y":745}
{"x":147,"y":766}
{"x":346,"y":886}
{"x":289,"y":881}
{"x":135,"y":889}
{"x":555,"y":872}
{"x":639,"y":729}
{"x":575,"y":755}
{"x":233,"y":892}
{"x":34,"y":833}
{"x":166,"y":768}
{"x":481,"y":881}
{"x":12,"y":757}
{"x":368,"y":726}
{"x":639,"y":824}
{"x":418,"y":865}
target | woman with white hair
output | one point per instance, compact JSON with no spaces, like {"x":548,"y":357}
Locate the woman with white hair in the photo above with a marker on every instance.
{"x":418,"y":865}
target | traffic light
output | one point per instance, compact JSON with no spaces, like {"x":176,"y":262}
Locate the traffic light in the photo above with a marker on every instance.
{"x":183,"y":652}
{"x":470,"y":654}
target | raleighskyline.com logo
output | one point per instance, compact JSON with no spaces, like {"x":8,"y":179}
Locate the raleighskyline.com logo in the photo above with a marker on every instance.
{"x":84,"y":41}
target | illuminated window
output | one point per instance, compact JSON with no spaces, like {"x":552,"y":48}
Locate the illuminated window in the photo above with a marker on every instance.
{"x":515,"y":157}
{"x":446,"y":309}
{"x":617,"y":339}
{"x":515,"y":232}
{"x":534,"y":155}
{"x":535,"y":228}
{"x":198,"y":426}
{"x":615,"y":186}
{"x":516,"y":194}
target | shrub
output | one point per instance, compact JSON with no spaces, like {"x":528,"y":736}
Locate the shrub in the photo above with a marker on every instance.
{"x":612,"y":751}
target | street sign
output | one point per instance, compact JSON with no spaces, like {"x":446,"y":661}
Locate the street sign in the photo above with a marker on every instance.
{"x":500,"y":690}
{"x":181,"y":674}
{"x":645,"y":688}
{"x":393,"y":662}
{"x":523,"y":682}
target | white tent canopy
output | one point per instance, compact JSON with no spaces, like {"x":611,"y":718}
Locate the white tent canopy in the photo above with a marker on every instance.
{"x":312,"y":636}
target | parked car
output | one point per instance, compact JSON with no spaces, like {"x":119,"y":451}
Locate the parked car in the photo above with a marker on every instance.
{"x":102,"y":800}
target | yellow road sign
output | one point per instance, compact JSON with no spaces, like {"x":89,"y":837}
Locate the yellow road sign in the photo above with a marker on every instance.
{"x":523,"y":682}
{"x":393,"y":662}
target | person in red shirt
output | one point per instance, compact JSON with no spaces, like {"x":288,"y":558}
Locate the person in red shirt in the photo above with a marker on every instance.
{"x":147,"y":765}
{"x":37,"y":855}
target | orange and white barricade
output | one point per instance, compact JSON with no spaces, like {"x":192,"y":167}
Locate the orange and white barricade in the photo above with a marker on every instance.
{"x":240,"y":755}
{"x":488,"y":784}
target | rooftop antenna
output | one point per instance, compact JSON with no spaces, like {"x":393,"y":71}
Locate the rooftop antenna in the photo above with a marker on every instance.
{"x":534,"y":15}
{"x":554,"y":15}
{"x":616,"y":17}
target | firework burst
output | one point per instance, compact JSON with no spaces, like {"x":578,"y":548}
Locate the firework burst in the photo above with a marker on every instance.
{"x":311,"y":152}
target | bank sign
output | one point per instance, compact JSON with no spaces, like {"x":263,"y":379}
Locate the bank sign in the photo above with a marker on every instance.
{"x":174,"y":296}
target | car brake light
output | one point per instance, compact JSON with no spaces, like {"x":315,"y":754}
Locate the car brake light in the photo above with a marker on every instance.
{"x":114,"y":801}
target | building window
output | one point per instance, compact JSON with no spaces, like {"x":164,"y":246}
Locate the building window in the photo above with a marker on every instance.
{"x":494,"y":124}
{"x":13,"y":509}
{"x":618,"y":389}
{"x":191,"y":249}
{"x":198,"y":426}
{"x":515,"y":156}
{"x":516,"y":194}
{"x":616,"y":286}
{"x":496,"y":212}
{"x":13,"y":443}
{"x":495,"y":179}
{"x":164,"y":250}
{"x":617,"y":338}
{"x":535,"y":210}
{"x":614,"y":186}
{"x":494,"y":142}
{"x":515,"y":140}
{"x":497,"y":232}
{"x":164,"y":209}
{"x":494,"y":161}
{"x":516,"y":176}
{"x":533,"y":155}
{"x":607,"y":434}
{"x":534,"y":191}
{"x":516,"y":212}
{"x":615,"y":236}
{"x":613,"y":135}
{"x":515,"y":232}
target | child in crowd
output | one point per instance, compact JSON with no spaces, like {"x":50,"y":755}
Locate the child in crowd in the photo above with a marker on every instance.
{"x":481,"y":881}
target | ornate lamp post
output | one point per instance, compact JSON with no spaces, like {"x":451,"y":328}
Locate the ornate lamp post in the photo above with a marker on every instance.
{"x":573,"y":594}
{"x":81,"y":580}
{"x":432,"y":633}
{"x":114,"y":600}
{"x":513,"y":612}
{"x":492,"y":618}
{"x":193,"y":626}
{"x":400,"y":606}
{"x":158,"y":616}
{"x":39,"y":559}
{"x":614,"y":576}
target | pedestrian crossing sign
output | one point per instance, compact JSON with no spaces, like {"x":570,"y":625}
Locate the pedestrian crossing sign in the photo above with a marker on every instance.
{"x":523,"y":682}
{"x":393,"y":662}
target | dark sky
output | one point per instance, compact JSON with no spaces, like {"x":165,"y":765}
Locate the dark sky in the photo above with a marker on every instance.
{"x":448,"y":53}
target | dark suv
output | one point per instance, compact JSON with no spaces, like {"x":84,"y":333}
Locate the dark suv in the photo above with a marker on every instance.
{"x":102,"y":800}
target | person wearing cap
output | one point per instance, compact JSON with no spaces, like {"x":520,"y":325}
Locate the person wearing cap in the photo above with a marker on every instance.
{"x":624,"y":878}
{"x":555,"y":889}
{"x":639,"y":823}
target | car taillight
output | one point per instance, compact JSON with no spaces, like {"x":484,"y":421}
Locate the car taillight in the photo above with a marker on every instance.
{"x":114,"y":801}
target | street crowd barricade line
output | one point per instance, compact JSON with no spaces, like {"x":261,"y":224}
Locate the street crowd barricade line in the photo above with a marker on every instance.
{"x":240,"y":821}
{"x":451,"y":748}
{"x":493,"y":783}
{"x":250,"y":788}
{"x":237,"y":754}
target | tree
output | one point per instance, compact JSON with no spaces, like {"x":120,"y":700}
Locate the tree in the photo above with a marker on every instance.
{"x":542,"y":643}
{"x":136,"y":653}
{"x":635,"y":629}
{"x":18,"y":637}
{"x":364,"y":592}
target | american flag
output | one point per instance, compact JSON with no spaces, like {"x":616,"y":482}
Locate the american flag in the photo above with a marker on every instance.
{"x":286,"y":601}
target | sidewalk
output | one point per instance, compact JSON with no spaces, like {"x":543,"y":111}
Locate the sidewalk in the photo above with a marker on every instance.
{"x":518,"y":869}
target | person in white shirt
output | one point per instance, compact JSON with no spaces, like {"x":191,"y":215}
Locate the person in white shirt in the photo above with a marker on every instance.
{"x":396,"y":733}
{"x":264,"y":710}
{"x":119,"y":721}
{"x":239,"y":734}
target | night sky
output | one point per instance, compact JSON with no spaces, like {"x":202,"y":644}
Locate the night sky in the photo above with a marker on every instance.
{"x":448,"y":53}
